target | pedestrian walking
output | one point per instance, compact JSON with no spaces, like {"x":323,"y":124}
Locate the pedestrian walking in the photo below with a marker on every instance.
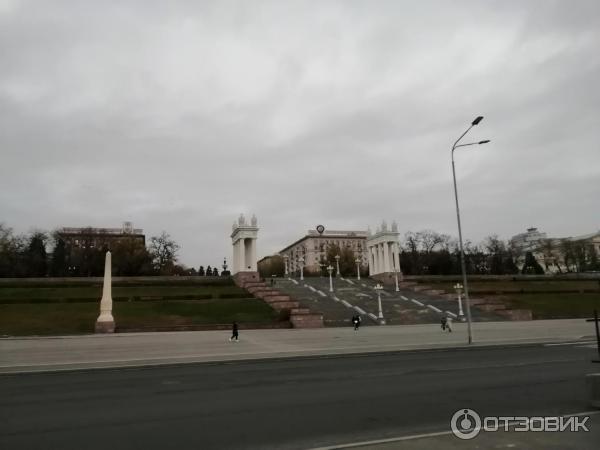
{"x":444,"y":322}
{"x":356,"y":321}
{"x":449,"y":324}
{"x":235,"y":335}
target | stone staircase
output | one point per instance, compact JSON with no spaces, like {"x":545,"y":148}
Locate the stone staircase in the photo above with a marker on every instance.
{"x":300,"y":316}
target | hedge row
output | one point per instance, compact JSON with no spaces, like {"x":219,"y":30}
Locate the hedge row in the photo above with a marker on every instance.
{"x":122,"y":299}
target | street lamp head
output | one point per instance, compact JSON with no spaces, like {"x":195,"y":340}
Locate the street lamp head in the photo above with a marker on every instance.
{"x":337,"y":257}
{"x":329,"y":269}
{"x":484,"y":142}
{"x":477,"y":120}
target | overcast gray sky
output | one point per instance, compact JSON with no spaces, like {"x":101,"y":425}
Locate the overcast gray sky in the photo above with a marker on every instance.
{"x":179,"y":116}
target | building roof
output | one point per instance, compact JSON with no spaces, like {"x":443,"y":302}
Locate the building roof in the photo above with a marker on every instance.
{"x":330,"y":234}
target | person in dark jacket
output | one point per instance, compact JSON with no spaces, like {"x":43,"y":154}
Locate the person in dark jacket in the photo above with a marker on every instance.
{"x":235,"y":336}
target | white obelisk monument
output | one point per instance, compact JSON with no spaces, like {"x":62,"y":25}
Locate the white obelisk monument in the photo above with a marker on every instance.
{"x":106,"y":322}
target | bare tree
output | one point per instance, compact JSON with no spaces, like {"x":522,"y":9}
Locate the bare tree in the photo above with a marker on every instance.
{"x":164,"y":253}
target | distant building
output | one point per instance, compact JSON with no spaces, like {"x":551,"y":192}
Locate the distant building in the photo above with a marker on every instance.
{"x":550,"y":252}
{"x":313,"y":248}
{"x":528,"y":241}
{"x":88,"y":237}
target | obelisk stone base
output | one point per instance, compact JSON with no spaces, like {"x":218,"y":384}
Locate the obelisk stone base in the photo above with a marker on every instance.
{"x":105,"y":327}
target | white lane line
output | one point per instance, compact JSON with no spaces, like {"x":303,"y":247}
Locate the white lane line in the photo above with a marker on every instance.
{"x":335,"y":298}
{"x":363,"y":285}
{"x":322,"y":294}
{"x":346,"y":304}
{"x":450,"y":313}
{"x":425,"y":435}
{"x":434,"y":308}
{"x":293,"y":281}
{"x":360,"y":310}
{"x":311,"y":288}
{"x":570,"y":343}
{"x":374,"y":317}
{"x":348,"y":281}
{"x":403,"y":297}
{"x":416,"y":302}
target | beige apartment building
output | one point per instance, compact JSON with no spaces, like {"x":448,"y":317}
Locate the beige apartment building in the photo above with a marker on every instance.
{"x":313,"y":248}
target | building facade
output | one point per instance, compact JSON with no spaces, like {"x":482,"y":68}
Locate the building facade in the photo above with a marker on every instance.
{"x":313,"y":247}
{"x":89,"y":237}
{"x":555,"y":255}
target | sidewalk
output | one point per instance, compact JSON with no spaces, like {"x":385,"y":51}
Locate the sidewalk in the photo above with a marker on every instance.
{"x":33,"y":354}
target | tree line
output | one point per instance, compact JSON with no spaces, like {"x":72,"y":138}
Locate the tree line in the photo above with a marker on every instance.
{"x":428,"y":252}
{"x":42,"y":254}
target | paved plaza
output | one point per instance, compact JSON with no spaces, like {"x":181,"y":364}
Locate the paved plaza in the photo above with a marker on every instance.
{"x":139,"y":349}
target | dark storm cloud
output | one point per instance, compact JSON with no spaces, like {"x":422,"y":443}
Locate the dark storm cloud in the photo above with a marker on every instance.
{"x":181,"y":115}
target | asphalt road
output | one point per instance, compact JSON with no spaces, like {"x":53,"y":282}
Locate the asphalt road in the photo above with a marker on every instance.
{"x":293,"y":403}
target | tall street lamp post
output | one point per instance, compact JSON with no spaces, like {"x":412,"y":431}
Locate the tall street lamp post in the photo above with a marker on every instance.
{"x":462,"y":253}
{"x":357,"y":261}
{"x":337,"y":265}
{"x":461,"y":315}
{"x":330,"y":270}
{"x":301,"y":261}
{"x":285,"y":262}
{"x":396,"y":275}
{"x":378,"y":288}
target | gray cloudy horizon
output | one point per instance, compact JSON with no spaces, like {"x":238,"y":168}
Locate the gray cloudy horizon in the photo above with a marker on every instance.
{"x":179,"y":116}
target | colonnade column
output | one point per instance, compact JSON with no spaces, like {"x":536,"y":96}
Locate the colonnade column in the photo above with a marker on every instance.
{"x":386,"y":257}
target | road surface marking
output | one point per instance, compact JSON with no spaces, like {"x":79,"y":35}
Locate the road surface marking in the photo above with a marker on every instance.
{"x":570,"y":343}
{"x":311,"y":288}
{"x":372,"y":316}
{"x":451,"y":314}
{"x":293,"y":281}
{"x":403,"y":297}
{"x":322,"y":294}
{"x":346,"y":304}
{"x":348,"y":281}
{"x":417,"y":302}
{"x":424,"y":435}
{"x":335,"y":298}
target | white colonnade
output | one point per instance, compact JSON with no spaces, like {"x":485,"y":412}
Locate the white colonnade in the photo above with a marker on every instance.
{"x":384,"y":250}
{"x":243,"y":239}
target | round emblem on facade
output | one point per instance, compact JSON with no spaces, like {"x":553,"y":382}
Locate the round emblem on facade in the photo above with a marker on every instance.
{"x":320,"y":229}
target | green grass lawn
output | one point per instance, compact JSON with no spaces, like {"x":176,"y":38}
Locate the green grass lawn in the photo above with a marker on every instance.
{"x":77,"y":318}
{"x":24,"y":294}
{"x":48,"y":318}
{"x":202,"y":312}
{"x":556,"y":305}
{"x":525,"y":286}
